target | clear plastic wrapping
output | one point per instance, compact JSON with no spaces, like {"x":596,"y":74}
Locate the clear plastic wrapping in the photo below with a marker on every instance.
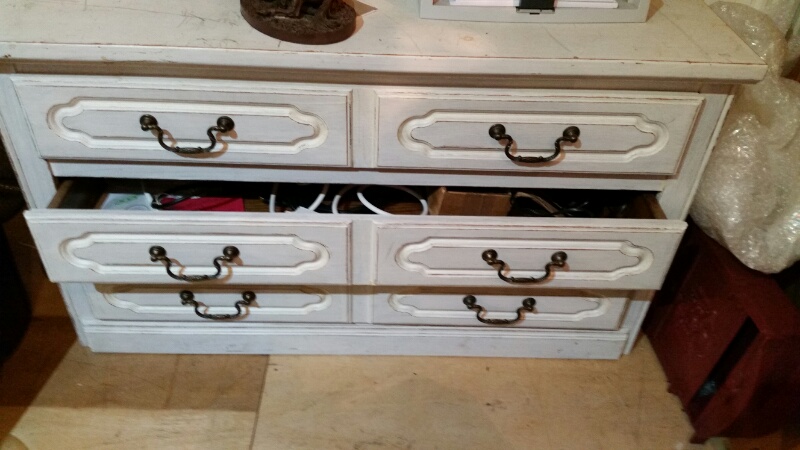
{"x":749,"y":196}
{"x":782,"y":12}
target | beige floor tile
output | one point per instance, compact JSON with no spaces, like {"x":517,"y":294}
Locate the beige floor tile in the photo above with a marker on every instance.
{"x":48,"y":428}
{"x":85,"y":380}
{"x":461,"y":403}
{"x":582,"y":414}
{"x":120,"y":401}
{"x":384,"y":402}
{"x":641,"y":365}
{"x":221,"y":382}
{"x":24,"y":374}
{"x":140,"y":381}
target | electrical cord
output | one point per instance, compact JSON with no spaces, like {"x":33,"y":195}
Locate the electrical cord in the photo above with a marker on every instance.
{"x":363,"y":199}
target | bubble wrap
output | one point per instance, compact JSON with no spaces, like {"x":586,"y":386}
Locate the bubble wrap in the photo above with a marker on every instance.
{"x":749,"y":196}
{"x":781,"y":11}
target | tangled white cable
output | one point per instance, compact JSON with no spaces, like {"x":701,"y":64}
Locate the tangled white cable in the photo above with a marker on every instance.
{"x":313,"y":207}
{"x":360,"y":193}
{"x":376,"y":210}
{"x":338,"y":197}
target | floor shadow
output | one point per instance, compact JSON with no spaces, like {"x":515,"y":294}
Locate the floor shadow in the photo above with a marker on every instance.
{"x":27,"y":370}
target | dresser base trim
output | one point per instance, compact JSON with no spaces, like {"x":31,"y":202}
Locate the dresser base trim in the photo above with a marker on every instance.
{"x":352,"y":340}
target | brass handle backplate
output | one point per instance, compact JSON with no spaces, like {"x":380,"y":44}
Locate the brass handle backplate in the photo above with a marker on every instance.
{"x":248,"y":297}
{"x":160,"y":254}
{"x":472,"y":304}
{"x":498,"y":133}
{"x":224,"y":125}
{"x":557,"y":259}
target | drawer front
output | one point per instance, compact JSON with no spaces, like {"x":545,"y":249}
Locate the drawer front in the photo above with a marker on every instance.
{"x":98,"y":118}
{"x":279,"y":304}
{"x":620,"y":133}
{"x":415,"y":307}
{"x":114,"y":247}
{"x":602,"y":254}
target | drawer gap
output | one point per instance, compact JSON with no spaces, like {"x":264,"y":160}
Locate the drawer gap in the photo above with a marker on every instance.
{"x":90,"y":193}
{"x":79,"y":193}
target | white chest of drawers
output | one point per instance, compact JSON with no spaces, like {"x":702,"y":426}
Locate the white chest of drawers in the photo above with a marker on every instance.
{"x":405,"y":101}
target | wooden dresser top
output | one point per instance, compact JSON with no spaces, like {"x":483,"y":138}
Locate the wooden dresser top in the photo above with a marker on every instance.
{"x":682,"y":40}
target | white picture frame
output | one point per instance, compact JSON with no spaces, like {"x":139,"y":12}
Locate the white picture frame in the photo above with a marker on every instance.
{"x":627,"y":11}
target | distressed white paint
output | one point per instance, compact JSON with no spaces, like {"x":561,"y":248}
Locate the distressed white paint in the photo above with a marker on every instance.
{"x":648,"y":97}
{"x":626,"y":11}
{"x":113,"y":246}
{"x":91,"y":118}
{"x":602,"y":254}
{"x":683,"y":39}
{"x":272,"y":303}
{"x":417,"y":307}
{"x":182,"y":337}
{"x":620,"y":132}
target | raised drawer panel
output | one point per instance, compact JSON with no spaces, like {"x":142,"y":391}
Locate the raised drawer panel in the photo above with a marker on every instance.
{"x":284,"y":304}
{"x":620,"y":133}
{"x":601,"y":254}
{"x":97,"y":118}
{"x":415,"y":307}
{"x":113,"y":246}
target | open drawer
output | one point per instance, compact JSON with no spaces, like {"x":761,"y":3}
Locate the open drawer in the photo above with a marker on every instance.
{"x":632,"y":249}
{"x":633,"y":252}
{"x":79,"y":243}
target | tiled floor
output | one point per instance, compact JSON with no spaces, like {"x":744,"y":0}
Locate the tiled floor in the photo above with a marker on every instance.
{"x":55,"y":394}
{"x":288,"y":402}
{"x":458,"y":403}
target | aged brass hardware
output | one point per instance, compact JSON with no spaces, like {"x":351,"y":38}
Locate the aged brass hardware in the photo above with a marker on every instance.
{"x":224,"y":125}
{"x":558,"y":259}
{"x":498,"y":133}
{"x":160,"y":254}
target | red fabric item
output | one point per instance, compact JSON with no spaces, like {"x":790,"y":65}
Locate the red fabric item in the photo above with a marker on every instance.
{"x":206,"y":204}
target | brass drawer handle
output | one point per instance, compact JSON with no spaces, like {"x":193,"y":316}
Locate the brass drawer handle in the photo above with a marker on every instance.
{"x":160,"y":254}
{"x":527,"y":306}
{"x":224,"y":125}
{"x":558,"y":259}
{"x":187,"y":298}
{"x":498,"y":133}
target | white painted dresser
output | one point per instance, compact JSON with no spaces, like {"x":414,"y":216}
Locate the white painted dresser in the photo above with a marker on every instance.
{"x":404,"y":101}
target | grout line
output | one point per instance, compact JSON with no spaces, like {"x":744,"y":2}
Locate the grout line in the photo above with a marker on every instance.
{"x":173,"y":378}
{"x":260,"y":399}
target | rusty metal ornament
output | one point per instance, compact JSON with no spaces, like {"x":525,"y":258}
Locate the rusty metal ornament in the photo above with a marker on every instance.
{"x":312,"y":22}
